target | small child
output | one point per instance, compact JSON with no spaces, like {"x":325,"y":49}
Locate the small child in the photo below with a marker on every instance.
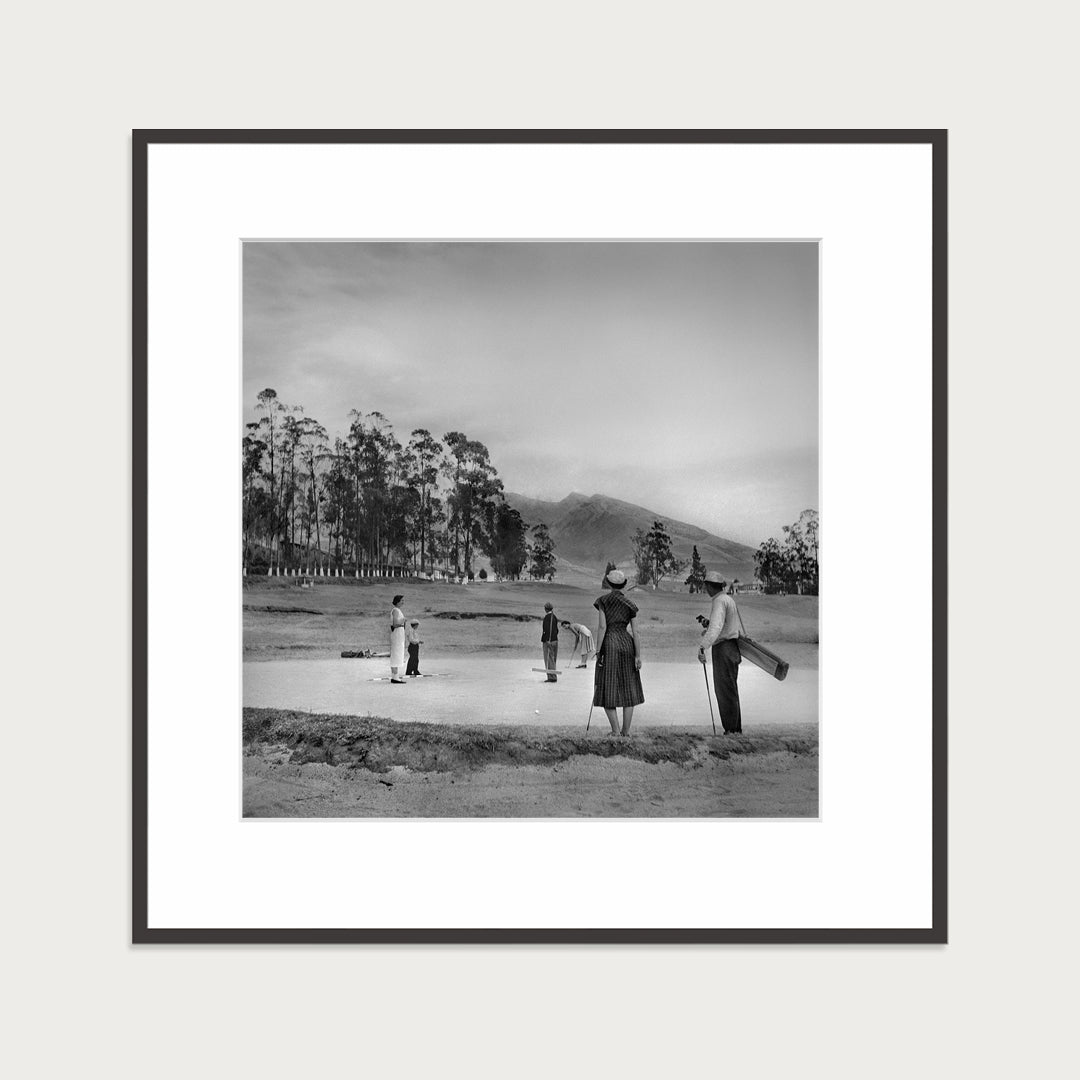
{"x":413,"y":641}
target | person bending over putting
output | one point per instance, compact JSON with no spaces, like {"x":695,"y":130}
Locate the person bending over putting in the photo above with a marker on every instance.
{"x":583,"y":640}
{"x":617,"y":682}
{"x":722,"y":636}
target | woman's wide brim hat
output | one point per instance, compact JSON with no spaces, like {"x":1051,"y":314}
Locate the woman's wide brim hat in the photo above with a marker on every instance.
{"x":399,"y":598}
{"x":615,"y":578}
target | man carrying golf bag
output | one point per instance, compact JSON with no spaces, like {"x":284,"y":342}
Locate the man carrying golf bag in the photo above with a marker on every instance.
{"x":722,"y":634}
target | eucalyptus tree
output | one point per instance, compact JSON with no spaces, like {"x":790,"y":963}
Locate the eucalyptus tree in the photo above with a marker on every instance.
{"x":438,"y":532}
{"x":474,"y":485}
{"x":336,"y":486}
{"x":791,"y":566}
{"x":270,"y":424}
{"x":355,"y":442}
{"x":772,"y":565}
{"x":405,"y":523}
{"x":253,"y":496}
{"x":663,"y":561}
{"x":798,"y":555}
{"x":543,"y":553}
{"x":425,"y":457}
{"x":509,"y":547}
{"x":454,"y":470}
{"x":477,"y":488}
{"x":642,"y":556}
{"x":377,"y":499}
{"x":377,"y":458}
{"x":802,"y":550}
{"x":313,"y":451}
{"x":290,"y":488}
{"x":402,"y":503}
{"x":653,"y":555}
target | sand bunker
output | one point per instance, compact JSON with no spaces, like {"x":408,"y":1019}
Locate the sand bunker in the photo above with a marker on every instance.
{"x":490,"y":689}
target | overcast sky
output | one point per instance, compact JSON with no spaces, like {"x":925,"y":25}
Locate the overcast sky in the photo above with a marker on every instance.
{"x":679,"y":376}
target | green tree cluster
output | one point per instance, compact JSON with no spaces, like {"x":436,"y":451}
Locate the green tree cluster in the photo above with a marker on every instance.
{"x":791,"y":565}
{"x":542,"y":551}
{"x":367,"y":499}
{"x":653,"y":555}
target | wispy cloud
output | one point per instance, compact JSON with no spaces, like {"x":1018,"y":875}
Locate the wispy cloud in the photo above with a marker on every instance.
{"x":679,"y":376}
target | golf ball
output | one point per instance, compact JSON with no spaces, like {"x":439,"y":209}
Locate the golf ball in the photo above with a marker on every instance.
{"x":537,"y":711}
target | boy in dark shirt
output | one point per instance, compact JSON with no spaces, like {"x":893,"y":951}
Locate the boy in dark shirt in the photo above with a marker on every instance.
{"x":413,"y":641}
{"x":549,"y":639}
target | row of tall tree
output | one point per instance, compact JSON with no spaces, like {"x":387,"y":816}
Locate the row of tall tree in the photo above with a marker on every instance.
{"x":367,"y":500}
{"x":791,"y":565}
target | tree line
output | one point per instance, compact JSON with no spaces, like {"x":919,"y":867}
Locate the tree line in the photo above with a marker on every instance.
{"x":791,"y":565}
{"x":368,"y":501}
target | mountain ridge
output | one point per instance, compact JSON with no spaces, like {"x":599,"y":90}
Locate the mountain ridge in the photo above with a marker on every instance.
{"x":591,"y":530}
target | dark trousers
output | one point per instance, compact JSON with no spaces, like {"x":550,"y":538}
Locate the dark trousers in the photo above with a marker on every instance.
{"x":551,"y":658}
{"x":726,"y":659}
{"x":413,"y":666}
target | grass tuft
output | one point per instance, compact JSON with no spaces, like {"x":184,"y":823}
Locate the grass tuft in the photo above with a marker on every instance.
{"x":379,"y":744}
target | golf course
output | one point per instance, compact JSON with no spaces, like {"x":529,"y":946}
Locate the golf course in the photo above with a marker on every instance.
{"x":483,"y":734}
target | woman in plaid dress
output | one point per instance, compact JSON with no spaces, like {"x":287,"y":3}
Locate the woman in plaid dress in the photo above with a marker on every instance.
{"x":618,"y":655}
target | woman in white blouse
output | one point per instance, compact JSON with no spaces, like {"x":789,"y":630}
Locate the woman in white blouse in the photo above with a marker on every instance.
{"x":397,"y":641}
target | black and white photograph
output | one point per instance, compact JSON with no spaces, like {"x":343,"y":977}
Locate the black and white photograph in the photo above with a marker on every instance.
{"x":530,"y":528}
{"x":533,"y":488}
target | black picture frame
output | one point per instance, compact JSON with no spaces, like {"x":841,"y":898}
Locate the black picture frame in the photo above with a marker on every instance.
{"x":142,"y":933}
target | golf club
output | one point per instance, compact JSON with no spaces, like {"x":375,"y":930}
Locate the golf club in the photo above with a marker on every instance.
{"x":708,"y":694}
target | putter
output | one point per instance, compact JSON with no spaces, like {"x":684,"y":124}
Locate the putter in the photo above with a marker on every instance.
{"x":593,"y":705}
{"x":708,"y":694}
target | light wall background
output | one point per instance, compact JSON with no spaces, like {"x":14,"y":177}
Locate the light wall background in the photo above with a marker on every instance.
{"x":995,"y":1002}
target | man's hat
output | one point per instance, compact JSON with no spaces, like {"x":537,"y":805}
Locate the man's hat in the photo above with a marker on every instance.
{"x":414,"y":622}
{"x":616,"y":578}
{"x":714,"y":577}
{"x":548,"y":607}
{"x":399,"y":598}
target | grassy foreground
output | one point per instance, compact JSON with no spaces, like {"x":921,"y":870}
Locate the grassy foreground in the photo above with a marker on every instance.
{"x":379,"y":745}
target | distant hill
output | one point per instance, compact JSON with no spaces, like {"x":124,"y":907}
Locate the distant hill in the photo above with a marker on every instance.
{"x":591,"y":530}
